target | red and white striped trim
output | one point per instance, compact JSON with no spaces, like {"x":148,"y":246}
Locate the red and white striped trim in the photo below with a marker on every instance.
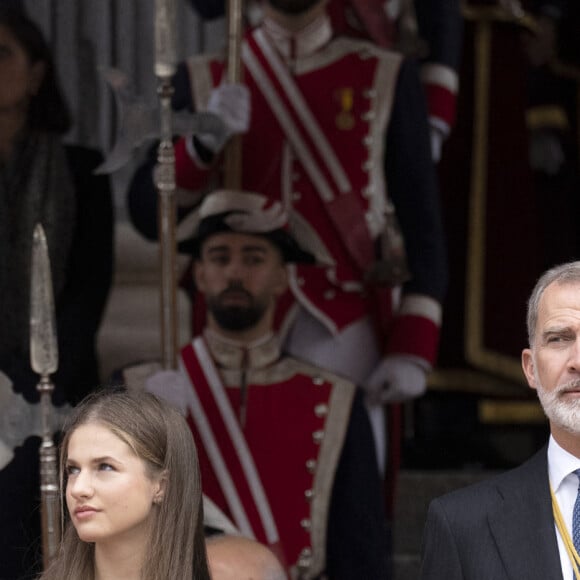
{"x":237,"y":445}
{"x":302,"y":110}
{"x":301,"y":149}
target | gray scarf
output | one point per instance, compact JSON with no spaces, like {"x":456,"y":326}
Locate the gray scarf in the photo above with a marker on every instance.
{"x":35,"y":187}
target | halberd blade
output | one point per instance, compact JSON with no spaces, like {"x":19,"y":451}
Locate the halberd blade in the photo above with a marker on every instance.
{"x":43,"y":343}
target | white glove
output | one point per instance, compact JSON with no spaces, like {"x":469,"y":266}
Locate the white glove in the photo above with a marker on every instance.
{"x":437,"y":139}
{"x":6,"y":455}
{"x":231,"y":103}
{"x":438,"y":131}
{"x":397,"y":378}
{"x":171,"y":386}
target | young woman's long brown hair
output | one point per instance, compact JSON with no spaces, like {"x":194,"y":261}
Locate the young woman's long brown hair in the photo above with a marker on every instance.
{"x":159,"y":435}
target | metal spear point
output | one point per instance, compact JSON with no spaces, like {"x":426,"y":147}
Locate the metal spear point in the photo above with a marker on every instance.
{"x":44,"y":361}
{"x":43,"y":344}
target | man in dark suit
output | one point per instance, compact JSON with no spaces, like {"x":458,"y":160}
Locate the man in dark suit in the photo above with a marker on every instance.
{"x":519,"y":525}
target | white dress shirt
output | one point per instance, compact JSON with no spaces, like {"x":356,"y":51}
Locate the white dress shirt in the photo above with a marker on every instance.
{"x":564,"y":482}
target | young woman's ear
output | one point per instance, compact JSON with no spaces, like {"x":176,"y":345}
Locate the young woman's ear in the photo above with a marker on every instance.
{"x":159,"y":491}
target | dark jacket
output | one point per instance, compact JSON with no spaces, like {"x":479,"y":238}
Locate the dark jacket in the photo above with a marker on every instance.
{"x":499,"y":529}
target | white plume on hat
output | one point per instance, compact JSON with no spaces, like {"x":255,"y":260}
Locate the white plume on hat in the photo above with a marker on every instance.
{"x":250,"y":213}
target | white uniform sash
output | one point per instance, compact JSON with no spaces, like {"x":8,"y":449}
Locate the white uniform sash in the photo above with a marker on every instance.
{"x":309,"y":144}
{"x":230,"y":456}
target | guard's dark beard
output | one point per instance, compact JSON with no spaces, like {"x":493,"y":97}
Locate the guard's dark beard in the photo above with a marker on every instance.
{"x":235,"y":318}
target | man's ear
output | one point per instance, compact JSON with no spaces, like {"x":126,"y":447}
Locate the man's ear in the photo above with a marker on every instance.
{"x":199,"y":275}
{"x":282,"y":280}
{"x":529,"y":368}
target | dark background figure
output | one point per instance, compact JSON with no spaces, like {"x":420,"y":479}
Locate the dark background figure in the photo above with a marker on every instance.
{"x":485,"y":198}
{"x":43,"y":181}
{"x":510,"y":212}
{"x":553,"y":56}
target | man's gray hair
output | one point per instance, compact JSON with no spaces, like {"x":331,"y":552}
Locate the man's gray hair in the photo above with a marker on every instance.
{"x":562,"y":274}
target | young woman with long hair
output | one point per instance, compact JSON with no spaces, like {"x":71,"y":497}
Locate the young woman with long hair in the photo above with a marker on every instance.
{"x":130,"y":474}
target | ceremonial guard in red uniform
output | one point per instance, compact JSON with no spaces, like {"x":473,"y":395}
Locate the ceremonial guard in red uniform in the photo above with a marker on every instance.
{"x":429,"y":29}
{"x":285,"y":448}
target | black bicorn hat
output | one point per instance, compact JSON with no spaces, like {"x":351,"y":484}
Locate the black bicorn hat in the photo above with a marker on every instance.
{"x":242,"y":212}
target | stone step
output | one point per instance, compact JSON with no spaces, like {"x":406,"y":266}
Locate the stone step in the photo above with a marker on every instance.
{"x":415,"y":490}
{"x":130,"y":331}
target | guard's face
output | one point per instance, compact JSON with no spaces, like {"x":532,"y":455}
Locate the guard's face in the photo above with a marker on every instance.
{"x":552,"y":367}
{"x":19,"y":78}
{"x":240,"y":276}
{"x":109,"y":494}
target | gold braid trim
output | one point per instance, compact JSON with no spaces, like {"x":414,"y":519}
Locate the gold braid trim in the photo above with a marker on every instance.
{"x":500,"y":14}
{"x":547,"y":117}
{"x":569,"y":545}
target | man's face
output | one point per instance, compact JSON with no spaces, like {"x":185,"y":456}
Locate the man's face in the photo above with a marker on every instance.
{"x":240,"y":276}
{"x":293,"y":6}
{"x":552,"y":365}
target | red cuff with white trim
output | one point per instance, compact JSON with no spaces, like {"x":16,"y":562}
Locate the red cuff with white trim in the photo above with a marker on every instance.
{"x":414,"y":335}
{"x":441,"y":103}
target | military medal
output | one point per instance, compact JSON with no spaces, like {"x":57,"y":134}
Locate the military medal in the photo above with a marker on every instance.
{"x":345,"y":118}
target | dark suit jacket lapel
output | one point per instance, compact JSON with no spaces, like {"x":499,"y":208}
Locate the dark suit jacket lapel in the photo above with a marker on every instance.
{"x":523,"y":524}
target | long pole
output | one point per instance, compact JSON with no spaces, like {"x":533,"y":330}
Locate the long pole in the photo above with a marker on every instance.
{"x":233,"y":152}
{"x":165,"y":66}
{"x":44,"y":361}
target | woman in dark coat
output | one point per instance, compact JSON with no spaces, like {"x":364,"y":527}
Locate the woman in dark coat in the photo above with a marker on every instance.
{"x":42,"y":181}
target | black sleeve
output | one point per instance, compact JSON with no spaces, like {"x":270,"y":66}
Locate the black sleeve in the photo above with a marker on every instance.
{"x":440,"y":25}
{"x":357,"y":530}
{"x":412,"y":186}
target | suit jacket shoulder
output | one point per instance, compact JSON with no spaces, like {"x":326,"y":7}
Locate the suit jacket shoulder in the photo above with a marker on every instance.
{"x":501,"y":528}
{"x":483,"y":495}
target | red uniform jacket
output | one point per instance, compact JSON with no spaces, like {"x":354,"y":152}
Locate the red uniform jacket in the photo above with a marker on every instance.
{"x":281,"y":458}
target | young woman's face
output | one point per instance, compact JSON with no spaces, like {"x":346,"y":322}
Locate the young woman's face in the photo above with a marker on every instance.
{"x":109,"y":494}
